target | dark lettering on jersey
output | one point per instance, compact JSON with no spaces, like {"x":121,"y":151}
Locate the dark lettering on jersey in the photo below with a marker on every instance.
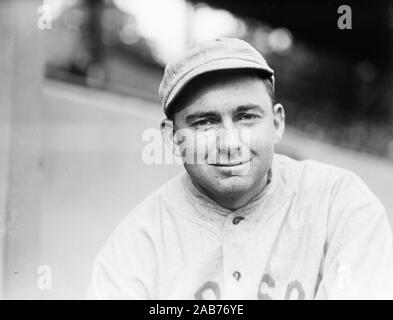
{"x":269,"y":281}
{"x":209,"y":285}
{"x":295,"y":285}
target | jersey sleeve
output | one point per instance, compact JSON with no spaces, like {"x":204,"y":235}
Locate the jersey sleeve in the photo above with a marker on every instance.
{"x":358,"y":257}
{"x":125,"y":268}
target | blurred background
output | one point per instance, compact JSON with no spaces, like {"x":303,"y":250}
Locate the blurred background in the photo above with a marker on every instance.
{"x":79,"y":86}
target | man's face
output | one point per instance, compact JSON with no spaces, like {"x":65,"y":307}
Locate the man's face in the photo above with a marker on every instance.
{"x":226,"y":133}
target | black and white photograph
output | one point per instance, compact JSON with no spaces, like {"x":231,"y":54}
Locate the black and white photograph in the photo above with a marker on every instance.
{"x":196,"y":150}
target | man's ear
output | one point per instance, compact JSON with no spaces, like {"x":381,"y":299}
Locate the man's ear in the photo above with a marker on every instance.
{"x":168,"y":134}
{"x":279,"y":122}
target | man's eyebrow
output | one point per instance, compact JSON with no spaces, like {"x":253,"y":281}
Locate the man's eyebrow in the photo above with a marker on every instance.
{"x":197,"y":115}
{"x":249,"y":107}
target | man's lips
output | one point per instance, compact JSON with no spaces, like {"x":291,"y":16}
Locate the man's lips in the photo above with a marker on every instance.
{"x":229,"y":164}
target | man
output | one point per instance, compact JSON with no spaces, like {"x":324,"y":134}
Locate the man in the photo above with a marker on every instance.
{"x":245,"y":223}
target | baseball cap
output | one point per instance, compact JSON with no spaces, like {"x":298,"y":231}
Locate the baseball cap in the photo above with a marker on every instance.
{"x":208,"y":56}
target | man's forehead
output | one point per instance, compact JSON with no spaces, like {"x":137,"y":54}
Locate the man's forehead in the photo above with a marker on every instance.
{"x":227,"y":99}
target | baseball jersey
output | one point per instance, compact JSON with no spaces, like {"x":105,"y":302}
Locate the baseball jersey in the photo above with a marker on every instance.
{"x":315,"y":232}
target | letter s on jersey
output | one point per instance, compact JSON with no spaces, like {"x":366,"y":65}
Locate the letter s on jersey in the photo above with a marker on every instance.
{"x":208,"y":287}
{"x":267,"y":282}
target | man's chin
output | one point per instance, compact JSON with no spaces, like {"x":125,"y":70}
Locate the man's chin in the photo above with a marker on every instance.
{"x":234,"y":184}
{"x":221,"y":181}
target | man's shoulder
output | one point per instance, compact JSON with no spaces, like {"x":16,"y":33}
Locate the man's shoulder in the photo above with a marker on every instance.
{"x":309,"y":171}
{"x":146,"y":211}
{"x":320,"y":180}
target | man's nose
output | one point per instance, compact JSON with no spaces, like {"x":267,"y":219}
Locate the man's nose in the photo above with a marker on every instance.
{"x":229,"y":141}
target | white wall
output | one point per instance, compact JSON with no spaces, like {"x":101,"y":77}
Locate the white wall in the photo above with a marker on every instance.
{"x":94,"y":175}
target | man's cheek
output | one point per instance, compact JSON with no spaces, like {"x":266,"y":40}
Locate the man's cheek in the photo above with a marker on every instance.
{"x":194,"y":147}
{"x":245,"y":136}
{"x":261,"y":142}
{"x":205,"y":149}
{"x":186,"y":143}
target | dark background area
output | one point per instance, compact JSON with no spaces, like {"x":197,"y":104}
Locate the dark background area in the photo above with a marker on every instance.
{"x":335,"y":84}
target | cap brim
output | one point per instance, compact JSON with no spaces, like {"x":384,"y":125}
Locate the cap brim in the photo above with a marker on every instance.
{"x":222,"y":64}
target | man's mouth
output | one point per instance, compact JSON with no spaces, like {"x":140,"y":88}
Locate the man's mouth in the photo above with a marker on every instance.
{"x":230,"y":164}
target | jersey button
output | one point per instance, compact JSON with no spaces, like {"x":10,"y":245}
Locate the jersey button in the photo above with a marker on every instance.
{"x":237,"y":219}
{"x":236,"y":275}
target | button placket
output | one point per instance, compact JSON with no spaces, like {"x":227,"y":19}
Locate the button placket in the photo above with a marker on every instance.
{"x":232,"y":253}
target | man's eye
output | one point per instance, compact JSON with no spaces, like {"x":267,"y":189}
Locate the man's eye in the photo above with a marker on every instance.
{"x":247,"y":116}
{"x":203,"y":123}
